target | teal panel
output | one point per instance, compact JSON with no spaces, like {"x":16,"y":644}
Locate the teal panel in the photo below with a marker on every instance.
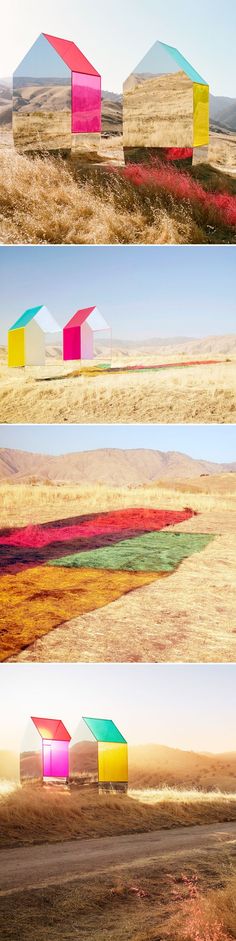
{"x":26,"y":317}
{"x":185,"y":65}
{"x":154,"y":552}
{"x":104,"y":730}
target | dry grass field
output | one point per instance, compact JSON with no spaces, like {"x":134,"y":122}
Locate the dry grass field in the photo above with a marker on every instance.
{"x":51,"y":200}
{"x":189,"y":898}
{"x":187,"y":895}
{"x":34,"y":814}
{"x":189,"y":616}
{"x":59,"y":392}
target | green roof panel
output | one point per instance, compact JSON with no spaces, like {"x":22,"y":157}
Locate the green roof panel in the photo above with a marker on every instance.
{"x":26,"y":317}
{"x":104,"y":730}
{"x":184,"y":64}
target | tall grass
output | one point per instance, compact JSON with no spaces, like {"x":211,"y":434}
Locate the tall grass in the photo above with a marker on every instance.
{"x":32,"y":814}
{"x":46,"y":200}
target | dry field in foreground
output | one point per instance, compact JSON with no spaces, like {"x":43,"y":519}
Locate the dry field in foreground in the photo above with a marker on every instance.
{"x":189,"y":616}
{"x":51,"y":200}
{"x":190,"y":394}
{"x":189,"y":898}
{"x":36,"y":815}
{"x":188,"y":895}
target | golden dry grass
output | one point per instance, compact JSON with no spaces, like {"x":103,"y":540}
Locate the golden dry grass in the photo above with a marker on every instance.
{"x":145,"y":901}
{"x":189,"y":616}
{"x":56,"y":394}
{"x":46,"y":200}
{"x":38,"y":599}
{"x":34,"y":814}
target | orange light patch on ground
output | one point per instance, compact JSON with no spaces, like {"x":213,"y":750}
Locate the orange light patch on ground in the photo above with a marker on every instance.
{"x":39,"y":599}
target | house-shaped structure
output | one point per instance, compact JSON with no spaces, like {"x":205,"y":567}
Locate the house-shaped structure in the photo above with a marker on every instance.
{"x":98,"y":753}
{"x":26,"y":338}
{"x":56,"y":98}
{"x":44,"y":750}
{"x":80,"y":332}
{"x":166,"y":106}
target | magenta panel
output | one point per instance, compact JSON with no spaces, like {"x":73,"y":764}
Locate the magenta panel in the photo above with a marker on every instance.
{"x":86,"y":342}
{"x":55,"y":760}
{"x":72,"y":343}
{"x":86,"y":104}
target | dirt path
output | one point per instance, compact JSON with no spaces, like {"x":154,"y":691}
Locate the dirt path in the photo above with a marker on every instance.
{"x":33,"y":867}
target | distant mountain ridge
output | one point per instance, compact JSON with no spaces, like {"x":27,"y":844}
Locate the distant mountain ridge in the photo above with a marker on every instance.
{"x":110,"y":466}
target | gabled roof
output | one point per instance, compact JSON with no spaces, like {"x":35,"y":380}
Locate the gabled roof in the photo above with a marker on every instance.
{"x":25,"y":318}
{"x":161,"y":59}
{"x":41,"y":315}
{"x":104,"y":730}
{"x":79,"y":317}
{"x":51,"y":729}
{"x":185,"y":65}
{"x":92,"y":316}
{"x":71,"y":55}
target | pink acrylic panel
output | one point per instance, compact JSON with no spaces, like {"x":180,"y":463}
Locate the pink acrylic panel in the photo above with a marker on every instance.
{"x":86,"y":104}
{"x":72,"y":343}
{"x":86,"y":342}
{"x":55,"y":759}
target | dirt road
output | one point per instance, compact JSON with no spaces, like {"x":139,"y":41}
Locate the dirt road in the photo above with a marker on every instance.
{"x":32,"y":867}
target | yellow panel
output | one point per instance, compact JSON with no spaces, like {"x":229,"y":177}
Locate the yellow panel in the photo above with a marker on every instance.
{"x":201,"y":98}
{"x":112,"y":762}
{"x":16,"y":347}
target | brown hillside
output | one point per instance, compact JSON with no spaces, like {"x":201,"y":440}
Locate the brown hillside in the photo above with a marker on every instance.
{"x":113,"y":466}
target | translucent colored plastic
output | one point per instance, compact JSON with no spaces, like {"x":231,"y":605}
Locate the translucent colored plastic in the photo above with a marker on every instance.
{"x":86,"y":104}
{"x":55,"y":759}
{"x":112,"y":763}
{"x":16,"y":347}
{"x":201,"y":116}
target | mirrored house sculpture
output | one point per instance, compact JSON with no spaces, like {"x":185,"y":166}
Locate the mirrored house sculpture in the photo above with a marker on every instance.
{"x":98,"y":755}
{"x":56,"y":98}
{"x":44,"y":751}
{"x":28,"y":335}
{"x":165,"y":107}
{"x":87,"y":336}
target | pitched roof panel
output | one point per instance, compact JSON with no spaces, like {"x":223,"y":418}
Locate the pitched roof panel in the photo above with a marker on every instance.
{"x":71,"y":55}
{"x":51,"y":729}
{"x":26,"y":317}
{"x":79,"y":318}
{"x":43,"y":318}
{"x":185,"y":65}
{"x":104,"y":730}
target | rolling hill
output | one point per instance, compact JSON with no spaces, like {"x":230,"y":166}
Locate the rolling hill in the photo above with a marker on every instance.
{"x":115,"y":467}
{"x":159,"y":766}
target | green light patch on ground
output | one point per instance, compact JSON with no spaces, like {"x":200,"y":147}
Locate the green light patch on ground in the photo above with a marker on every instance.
{"x":153,"y":552}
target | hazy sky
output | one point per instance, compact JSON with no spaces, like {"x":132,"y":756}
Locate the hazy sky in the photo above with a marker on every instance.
{"x":185,"y":706}
{"x":116,"y":38}
{"x":206,"y":442}
{"x":142,"y":291}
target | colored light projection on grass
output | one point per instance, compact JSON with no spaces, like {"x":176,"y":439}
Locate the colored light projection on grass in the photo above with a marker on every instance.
{"x":139,"y":367}
{"x":44,"y":750}
{"x":59,"y":570}
{"x":56,"y":97}
{"x":166,"y":106}
{"x":98,"y":753}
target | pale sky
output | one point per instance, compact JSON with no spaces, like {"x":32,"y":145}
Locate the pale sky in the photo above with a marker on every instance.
{"x":115,"y":38}
{"x":142,"y":291}
{"x":183,"y":706}
{"x":204,"y":442}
